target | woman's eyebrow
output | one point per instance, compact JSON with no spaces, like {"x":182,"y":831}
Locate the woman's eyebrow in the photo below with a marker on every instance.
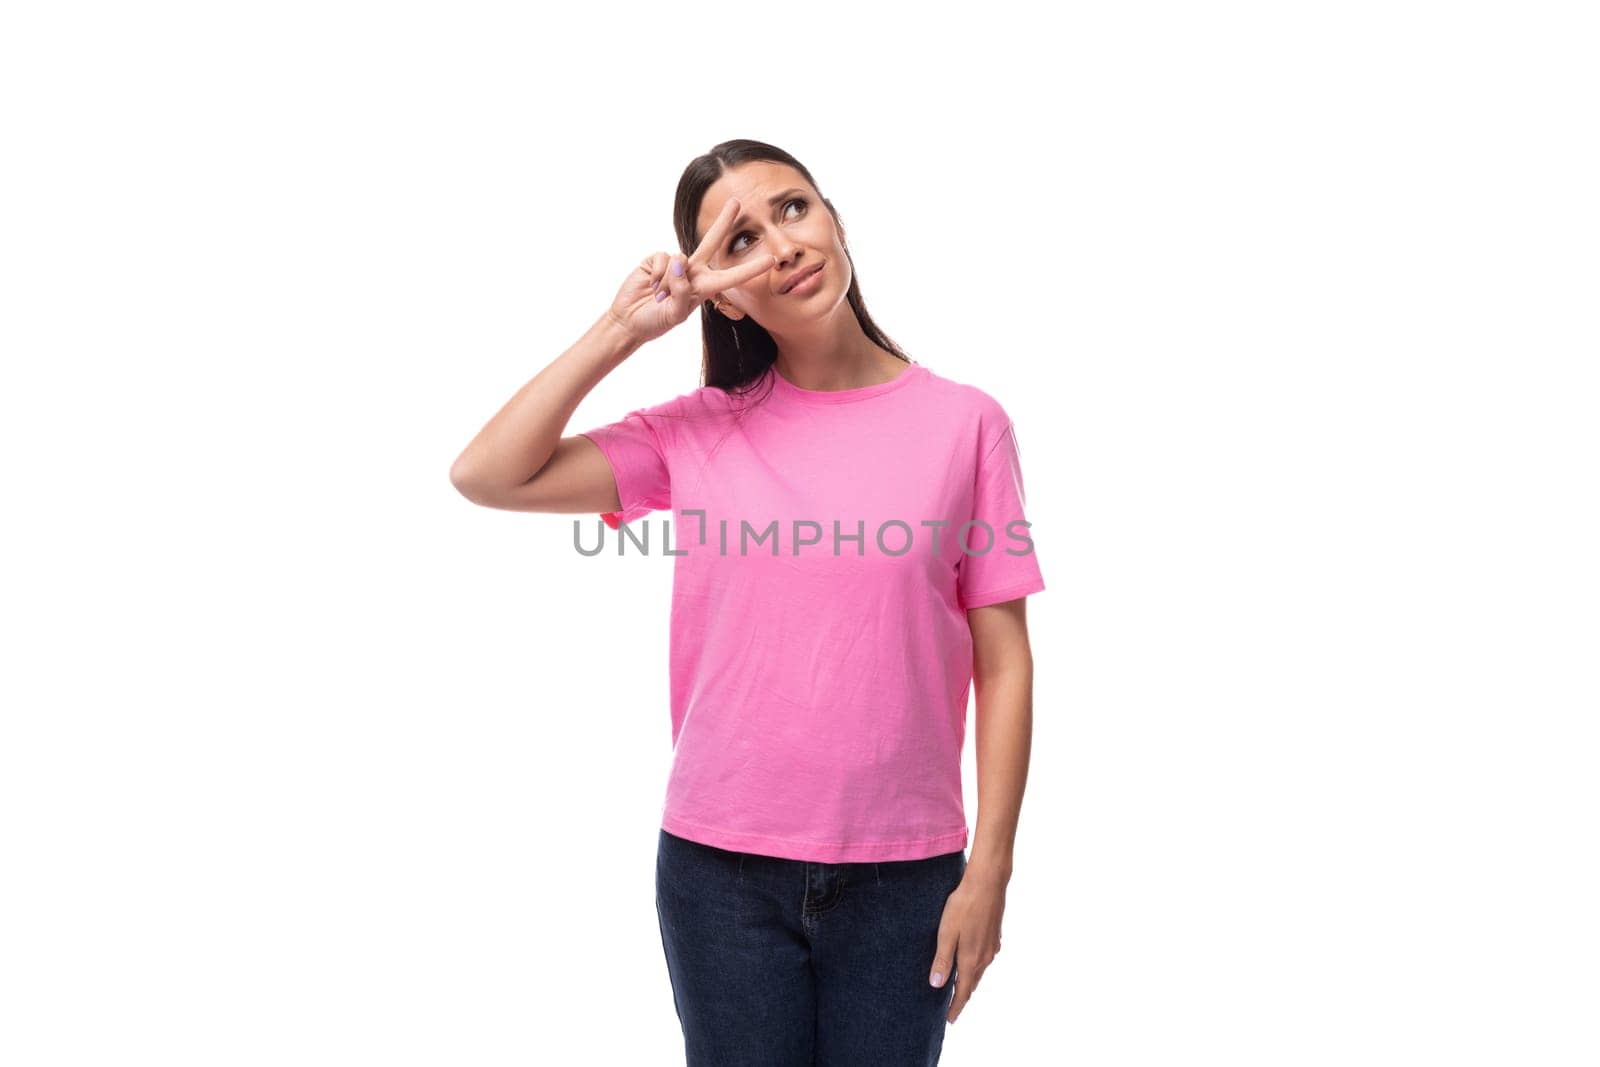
{"x":771,"y":202}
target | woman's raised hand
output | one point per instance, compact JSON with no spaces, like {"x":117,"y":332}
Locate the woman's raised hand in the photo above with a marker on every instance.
{"x":664,"y":289}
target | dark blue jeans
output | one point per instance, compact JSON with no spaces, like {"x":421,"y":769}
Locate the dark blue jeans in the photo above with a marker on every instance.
{"x":783,"y":963}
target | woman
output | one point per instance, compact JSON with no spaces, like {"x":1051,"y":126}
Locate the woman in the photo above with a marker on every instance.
{"x":852,"y":557}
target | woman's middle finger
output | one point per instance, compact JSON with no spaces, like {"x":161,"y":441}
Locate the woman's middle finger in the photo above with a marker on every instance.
{"x":713,"y":237}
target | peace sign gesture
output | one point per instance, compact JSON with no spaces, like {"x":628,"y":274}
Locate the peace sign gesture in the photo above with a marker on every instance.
{"x":664,"y":289}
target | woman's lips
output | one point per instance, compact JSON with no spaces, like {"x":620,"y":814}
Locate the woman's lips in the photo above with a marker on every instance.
{"x":808,"y":282}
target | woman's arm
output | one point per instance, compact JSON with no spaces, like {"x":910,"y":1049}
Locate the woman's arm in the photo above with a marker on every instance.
{"x":519,"y":461}
{"x":1002,"y":671}
{"x":1002,"y":675}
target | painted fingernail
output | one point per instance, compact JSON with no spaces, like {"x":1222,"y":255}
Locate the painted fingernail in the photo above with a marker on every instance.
{"x":661,"y":296}
{"x":937,"y":979}
{"x":656,"y":284}
{"x":677,"y":267}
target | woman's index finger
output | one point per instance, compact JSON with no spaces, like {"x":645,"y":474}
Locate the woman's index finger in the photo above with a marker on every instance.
{"x":737,"y":275}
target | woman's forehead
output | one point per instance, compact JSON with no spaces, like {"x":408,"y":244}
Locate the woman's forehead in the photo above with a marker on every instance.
{"x":752,"y":183}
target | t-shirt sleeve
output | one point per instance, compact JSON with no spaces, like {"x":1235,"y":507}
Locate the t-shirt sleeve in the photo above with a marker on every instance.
{"x":638,"y":462}
{"x":1010,"y":567}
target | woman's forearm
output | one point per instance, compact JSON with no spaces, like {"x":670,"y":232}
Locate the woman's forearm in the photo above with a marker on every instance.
{"x":1004,"y":740}
{"x":518,"y":441}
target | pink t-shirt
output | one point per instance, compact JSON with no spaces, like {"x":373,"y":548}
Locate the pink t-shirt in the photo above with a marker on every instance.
{"x":820,"y":674}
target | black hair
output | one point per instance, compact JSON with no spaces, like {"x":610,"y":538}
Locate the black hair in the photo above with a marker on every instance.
{"x":738,"y":352}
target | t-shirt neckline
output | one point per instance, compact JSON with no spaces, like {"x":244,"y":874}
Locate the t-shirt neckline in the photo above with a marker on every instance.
{"x":841,"y":396}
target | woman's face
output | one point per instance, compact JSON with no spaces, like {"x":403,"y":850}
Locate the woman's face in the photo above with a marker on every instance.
{"x":779,"y":215}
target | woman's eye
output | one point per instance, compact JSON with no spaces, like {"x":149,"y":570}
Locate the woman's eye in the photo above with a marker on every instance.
{"x":733,"y":245}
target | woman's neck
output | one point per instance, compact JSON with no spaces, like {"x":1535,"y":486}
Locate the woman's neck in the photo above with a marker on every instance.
{"x":862,"y":366}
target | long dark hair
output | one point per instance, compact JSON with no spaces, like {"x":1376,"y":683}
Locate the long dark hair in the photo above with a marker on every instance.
{"x":738,"y":352}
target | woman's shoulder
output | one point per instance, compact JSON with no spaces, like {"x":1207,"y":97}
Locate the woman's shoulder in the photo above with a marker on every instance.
{"x":702,"y":399}
{"x":688,"y":415}
{"x":963,"y":400}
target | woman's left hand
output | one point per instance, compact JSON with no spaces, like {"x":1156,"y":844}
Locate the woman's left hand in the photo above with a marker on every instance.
{"x":969,"y":935}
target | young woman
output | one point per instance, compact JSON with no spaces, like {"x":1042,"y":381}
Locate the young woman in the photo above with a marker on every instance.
{"x":854,"y":556}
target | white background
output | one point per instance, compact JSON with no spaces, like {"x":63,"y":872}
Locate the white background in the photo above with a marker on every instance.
{"x":307,"y":760}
